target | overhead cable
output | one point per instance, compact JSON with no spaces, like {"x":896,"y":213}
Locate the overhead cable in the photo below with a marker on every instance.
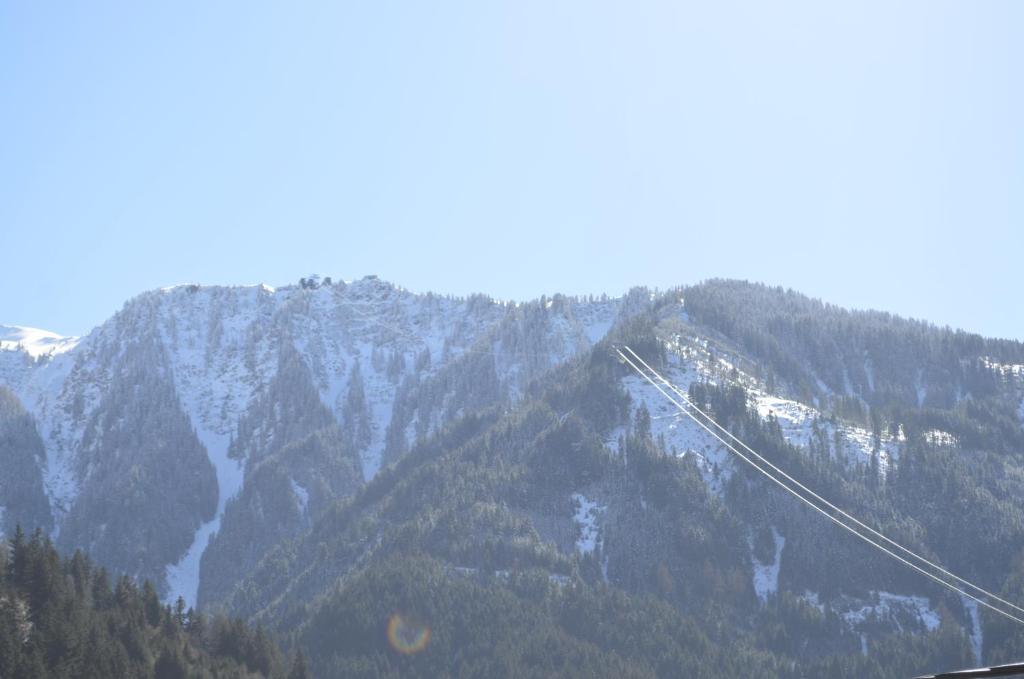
{"x":830,"y":505}
{"x":782,"y":484}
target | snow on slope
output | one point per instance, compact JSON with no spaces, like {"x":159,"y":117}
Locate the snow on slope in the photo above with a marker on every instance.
{"x":222,"y":346}
{"x":913,"y":611}
{"x":587,"y":512}
{"x":301,"y":495}
{"x":682,"y":436}
{"x":35,"y":364}
{"x":183,"y":576}
{"x":971,"y":606}
{"x":903,"y":612}
{"x":800,"y":424}
{"x":40,"y":387}
{"x":1004,"y":369}
{"x":766,"y":575}
{"x":795,"y":419}
{"x":34,"y":342}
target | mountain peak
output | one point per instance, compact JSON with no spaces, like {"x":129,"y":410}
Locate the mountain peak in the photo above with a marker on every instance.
{"x":33,"y":341}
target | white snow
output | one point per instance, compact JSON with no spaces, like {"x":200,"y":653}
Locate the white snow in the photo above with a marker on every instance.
{"x":795,"y":419}
{"x":938,"y":437}
{"x":596,"y":319}
{"x":971,"y":606}
{"x":1004,"y":369}
{"x":813,"y":599}
{"x":222,"y":346}
{"x":890,"y":607}
{"x":766,"y":575}
{"x":681,"y":434}
{"x":34,"y":342}
{"x":42,"y":392}
{"x":596,"y":331}
{"x":798,"y":421}
{"x":302,"y":495}
{"x":691,"y":361}
{"x":906,"y":613}
{"x":587,"y":513}
{"x":183,"y":577}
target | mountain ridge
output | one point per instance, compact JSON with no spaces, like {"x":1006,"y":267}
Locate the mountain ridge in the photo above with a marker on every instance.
{"x":327,"y":429}
{"x":204,"y":330}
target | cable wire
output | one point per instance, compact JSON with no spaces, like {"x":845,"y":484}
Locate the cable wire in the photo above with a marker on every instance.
{"x":831,"y":506}
{"x":808,"y":502}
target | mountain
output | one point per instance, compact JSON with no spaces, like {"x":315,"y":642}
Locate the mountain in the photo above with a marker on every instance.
{"x":327,"y":457}
{"x":34,"y":342}
{"x":237,"y":414}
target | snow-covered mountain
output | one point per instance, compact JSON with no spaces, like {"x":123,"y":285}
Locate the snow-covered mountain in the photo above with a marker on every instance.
{"x":153,"y":422}
{"x":254,"y":449}
{"x":34,"y":342}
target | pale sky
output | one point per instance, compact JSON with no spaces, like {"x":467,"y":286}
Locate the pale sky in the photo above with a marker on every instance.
{"x":868,"y":153}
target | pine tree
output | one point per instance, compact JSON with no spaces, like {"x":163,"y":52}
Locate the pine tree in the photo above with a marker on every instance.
{"x":643,"y":423}
{"x":170,"y":665}
{"x":356,"y":417}
{"x":298,"y":669}
{"x":19,"y":558}
{"x":179,"y":612}
{"x":151,"y":603}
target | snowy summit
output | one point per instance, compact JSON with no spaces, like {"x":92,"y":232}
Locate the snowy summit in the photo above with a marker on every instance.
{"x":33,"y":341}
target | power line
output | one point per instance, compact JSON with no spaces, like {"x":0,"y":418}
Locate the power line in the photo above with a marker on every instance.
{"x":830,"y":505}
{"x":806,"y":501}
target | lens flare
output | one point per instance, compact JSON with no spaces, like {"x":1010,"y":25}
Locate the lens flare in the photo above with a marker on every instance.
{"x":407,"y":635}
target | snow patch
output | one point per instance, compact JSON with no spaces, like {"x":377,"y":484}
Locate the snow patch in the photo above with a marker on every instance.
{"x":302,"y":495}
{"x":183,"y":577}
{"x":766,"y":576}
{"x":587,"y":513}
{"x":938,"y":437}
{"x":1003,"y":369}
{"x":971,"y":606}
{"x":896,"y":608}
{"x":813,"y":599}
{"x":682,"y":435}
{"x":596,"y":331}
{"x":801,"y":425}
{"x":795,"y":419}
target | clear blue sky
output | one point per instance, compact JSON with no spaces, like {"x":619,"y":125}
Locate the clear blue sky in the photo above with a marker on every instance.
{"x":869,"y":153}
